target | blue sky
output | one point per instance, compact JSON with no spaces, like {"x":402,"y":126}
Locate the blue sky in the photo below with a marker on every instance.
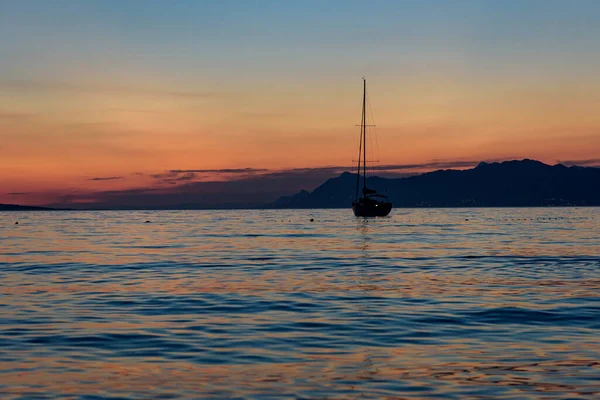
{"x":287,"y":37}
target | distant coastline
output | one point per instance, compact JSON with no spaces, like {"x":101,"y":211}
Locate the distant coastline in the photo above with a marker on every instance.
{"x":516,"y":183}
{"x":17,"y":207}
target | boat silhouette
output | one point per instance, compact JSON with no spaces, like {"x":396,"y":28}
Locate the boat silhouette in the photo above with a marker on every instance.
{"x":371,"y":203}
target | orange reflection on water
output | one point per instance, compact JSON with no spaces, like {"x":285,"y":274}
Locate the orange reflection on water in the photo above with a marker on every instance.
{"x":207,"y":304}
{"x":354,"y":374}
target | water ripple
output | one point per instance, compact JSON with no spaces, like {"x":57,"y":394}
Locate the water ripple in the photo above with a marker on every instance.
{"x":464,"y":303}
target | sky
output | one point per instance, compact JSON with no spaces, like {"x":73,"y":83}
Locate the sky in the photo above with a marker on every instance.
{"x":258,"y":99}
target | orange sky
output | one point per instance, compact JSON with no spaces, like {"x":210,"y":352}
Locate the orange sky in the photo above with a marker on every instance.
{"x":57,"y":138}
{"x":136,"y":106}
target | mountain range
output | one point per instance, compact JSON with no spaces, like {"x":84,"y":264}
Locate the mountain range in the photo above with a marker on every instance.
{"x":16,"y":207}
{"x":517,"y":183}
{"x":524,"y":183}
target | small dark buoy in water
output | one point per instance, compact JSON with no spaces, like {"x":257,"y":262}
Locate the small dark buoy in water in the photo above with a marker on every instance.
{"x":466,"y":219}
{"x":312,"y":220}
{"x":147,"y":222}
{"x":17,"y":223}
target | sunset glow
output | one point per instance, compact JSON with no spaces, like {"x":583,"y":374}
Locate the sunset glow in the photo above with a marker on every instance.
{"x":95,"y":100}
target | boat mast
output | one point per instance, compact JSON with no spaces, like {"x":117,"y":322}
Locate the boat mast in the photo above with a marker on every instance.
{"x":360,"y":142}
{"x":364,"y":135}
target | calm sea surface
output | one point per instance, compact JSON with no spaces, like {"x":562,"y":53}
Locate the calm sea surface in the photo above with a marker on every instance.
{"x":428,"y":303}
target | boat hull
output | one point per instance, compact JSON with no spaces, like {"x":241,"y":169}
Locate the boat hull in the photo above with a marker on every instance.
{"x":376,"y":209}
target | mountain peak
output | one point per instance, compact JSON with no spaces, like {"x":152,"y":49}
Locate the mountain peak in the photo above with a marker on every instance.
{"x":529,"y":161}
{"x":526,"y":162}
{"x":514,"y":183}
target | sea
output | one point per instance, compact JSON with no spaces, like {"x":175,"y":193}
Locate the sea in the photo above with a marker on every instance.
{"x":480,"y":303}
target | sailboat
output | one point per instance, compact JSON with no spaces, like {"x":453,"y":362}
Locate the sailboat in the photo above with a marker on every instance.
{"x":371,"y":203}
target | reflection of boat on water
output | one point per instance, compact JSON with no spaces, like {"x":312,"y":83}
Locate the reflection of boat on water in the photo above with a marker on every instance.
{"x":371,"y":203}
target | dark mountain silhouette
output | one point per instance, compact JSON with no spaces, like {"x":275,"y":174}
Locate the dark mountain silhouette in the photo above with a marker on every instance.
{"x":16,"y":207}
{"x":525,"y":183}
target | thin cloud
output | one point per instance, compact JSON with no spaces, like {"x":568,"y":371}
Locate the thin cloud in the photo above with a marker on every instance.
{"x":101,"y":88}
{"x":19,"y":193}
{"x":175,"y":176}
{"x":16,"y":116}
{"x":380,"y":168}
{"x":590,"y":162}
{"x":164,"y":175}
{"x":105,"y":178}
{"x":220,"y":171}
{"x":181,"y":177}
{"x":429,"y":165}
